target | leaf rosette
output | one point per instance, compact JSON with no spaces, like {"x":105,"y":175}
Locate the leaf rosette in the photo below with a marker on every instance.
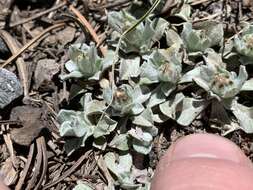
{"x":199,"y":37}
{"x":244,"y":43}
{"x":162,"y":65}
{"x":84,"y":62}
{"x":142,"y":37}
{"x":126,"y":100}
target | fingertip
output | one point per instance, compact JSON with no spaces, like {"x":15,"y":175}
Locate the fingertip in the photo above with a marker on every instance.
{"x":203,"y":161}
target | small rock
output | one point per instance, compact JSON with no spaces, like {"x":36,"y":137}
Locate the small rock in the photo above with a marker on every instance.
{"x":67,"y":35}
{"x":32,"y":122}
{"x":44,"y":73}
{"x":10,"y":87}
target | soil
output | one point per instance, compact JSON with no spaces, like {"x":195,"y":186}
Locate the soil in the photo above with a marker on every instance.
{"x":34,"y":39}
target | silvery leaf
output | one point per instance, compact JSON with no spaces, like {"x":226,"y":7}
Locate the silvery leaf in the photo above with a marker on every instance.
{"x":183,"y":109}
{"x":190,"y":75}
{"x":172,"y":38}
{"x":157,"y":97}
{"x":162,"y":65}
{"x":248,"y":85}
{"x":141,"y":140}
{"x":84,"y":62}
{"x":243,"y":43}
{"x":129,"y":68}
{"x":108,"y":59}
{"x":126,"y":99}
{"x":190,"y":109}
{"x":219,"y":82}
{"x":104,"y":127}
{"x":185,"y":12}
{"x":202,"y":35}
{"x":74,"y":124}
{"x":121,"y":166}
{"x":82,"y":186}
{"x":140,"y":39}
{"x":94,"y":107}
{"x":169,"y":108}
{"x":145,"y":122}
{"x":120,"y":142}
{"x":159,"y":118}
{"x":144,"y":119}
{"x":244,"y":116}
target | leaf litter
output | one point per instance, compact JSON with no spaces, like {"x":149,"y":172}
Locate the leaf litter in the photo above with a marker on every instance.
{"x":103,"y":119}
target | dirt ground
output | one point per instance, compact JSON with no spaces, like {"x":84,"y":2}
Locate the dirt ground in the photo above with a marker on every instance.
{"x":34,"y":40}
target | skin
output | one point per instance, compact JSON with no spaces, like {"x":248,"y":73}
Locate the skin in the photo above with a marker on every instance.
{"x":203,"y":162}
{"x":2,"y":185}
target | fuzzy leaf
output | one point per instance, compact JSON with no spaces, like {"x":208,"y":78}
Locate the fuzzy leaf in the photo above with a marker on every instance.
{"x":157,"y":97}
{"x":244,"y":43}
{"x":248,"y":85}
{"x":143,"y":37}
{"x":141,"y":140}
{"x":172,"y":38}
{"x":82,"y":186}
{"x":121,"y":166}
{"x":202,"y":36}
{"x":120,"y":142}
{"x":221,"y":83}
{"x":129,"y":68}
{"x":74,"y":124}
{"x":104,"y":127}
{"x":84,"y":62}
{"x":191,"y":108}
{"x":162,"y":66}
{"x":185,"y":12}
{"x":182,"y":109}
{"x":244,"y":116}
{"x":126,"y":99}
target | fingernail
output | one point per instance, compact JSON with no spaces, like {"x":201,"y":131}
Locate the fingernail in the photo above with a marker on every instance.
{"x":207,"y":146}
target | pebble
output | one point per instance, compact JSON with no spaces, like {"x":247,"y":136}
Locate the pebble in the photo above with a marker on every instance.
{"x":10,"y":87}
